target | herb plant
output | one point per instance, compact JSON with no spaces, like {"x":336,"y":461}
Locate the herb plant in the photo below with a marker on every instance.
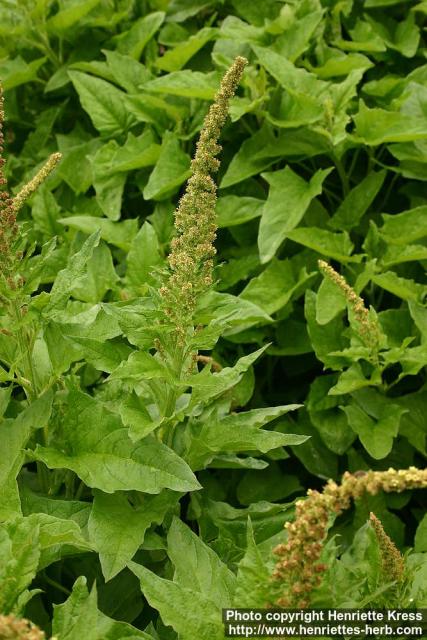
{"x":162,"y":316}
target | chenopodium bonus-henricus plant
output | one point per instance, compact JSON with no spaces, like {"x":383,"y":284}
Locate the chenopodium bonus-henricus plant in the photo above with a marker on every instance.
{"x":189,"y":271}
{"x":14,"y":255}
{"x":190,"y":260}
{"x":184,"y":394}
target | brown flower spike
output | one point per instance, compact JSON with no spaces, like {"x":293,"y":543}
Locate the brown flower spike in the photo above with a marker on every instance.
{"x":190,"y":260}
{"x":299,"y":569}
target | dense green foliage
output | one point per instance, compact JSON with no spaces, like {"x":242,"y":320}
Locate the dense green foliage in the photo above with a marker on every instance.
{"x":145,"y":474}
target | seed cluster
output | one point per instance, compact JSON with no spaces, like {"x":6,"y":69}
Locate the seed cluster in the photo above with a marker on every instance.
{"x":368,"y":330}
{"x":192,"y":251}
{"x":12,"y":628}
{"x":299,"y":569}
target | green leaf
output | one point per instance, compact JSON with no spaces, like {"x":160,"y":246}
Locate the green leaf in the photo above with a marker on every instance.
{"x":419,"y":316}
{"x":99,"y":278}
{"x":141,"y":366}
{"x":208,"y":385}
{"x":260,"y":151}
{"x":15,"y":435}
{"x":330,"y":422}
{"x":235,"y":433}
{"x":103,"y":102}
{"x":106,"y":458}
{"x":75,"y":167}
{"x":403,"y":36}
{"x":357,"y":202}
{"x":108,"y":185}
{"x":117,"y":529}
{"x":120,"y":234}
{"x":316,"y":457}
{"x":79,"y":617}
{"x":20,"y":554}
{"x":276,"y":286}
{"x":69,"y":16}
{"x":406,"y":227}
{"x":376,"y":435}
{"x":234,"y":210}
{"x":353,"y":379}
{"x":128,"y":72}
{"x":198,"y":566}
{"x":330,"y":301}
{"x":143,"y":257}
{"x":400,"y":287}
{"x":278,"y":220}
{"x":133,"y":42}
{"x":137,"y":152}
{"x":189,"y":84}
{"x":376,"y":126}
{"x":333,"y":245}
{"x":398,"y":254}
{"x":289,"y":76}
{"x":135,"y":415}
{"x":200,"y":578}
{"x":275,"y":484}
{"x":58,"y":537}
{"x":232,"y":313}
{"x":16,"y":71}
{"x":420,"y":543}
{"x":324,"y":338}
{"x":171,"y":170}
{"x":174,"y":59}
{"x":65,"y":280}
{"x":104,"y":356}
{"x":252,"y":575}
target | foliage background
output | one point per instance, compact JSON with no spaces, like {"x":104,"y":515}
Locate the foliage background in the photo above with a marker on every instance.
{"x":324,"y":157}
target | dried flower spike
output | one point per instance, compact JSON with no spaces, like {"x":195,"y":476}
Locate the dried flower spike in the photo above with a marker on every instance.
{"x":299,"y":569}
{"x":368,"y":329}
{"x":190,"y":260}
{"x":12,"y":628}
{"x":392,"y":562}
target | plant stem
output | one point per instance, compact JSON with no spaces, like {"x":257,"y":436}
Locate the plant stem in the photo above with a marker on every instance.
{"x":57,"y":585}
{"x":342,"y":174}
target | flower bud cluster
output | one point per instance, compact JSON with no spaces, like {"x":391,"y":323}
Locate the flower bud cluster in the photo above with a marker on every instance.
{"x":299,"y":568}
{"x":192,"y":250}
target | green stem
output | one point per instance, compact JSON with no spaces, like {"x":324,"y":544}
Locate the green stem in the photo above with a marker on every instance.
{"x":43,"y":476}
{"x":79,"y":491}
{"x":57,"y":585}
{"x":177,"y":362}
{"x":342,"y":174}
